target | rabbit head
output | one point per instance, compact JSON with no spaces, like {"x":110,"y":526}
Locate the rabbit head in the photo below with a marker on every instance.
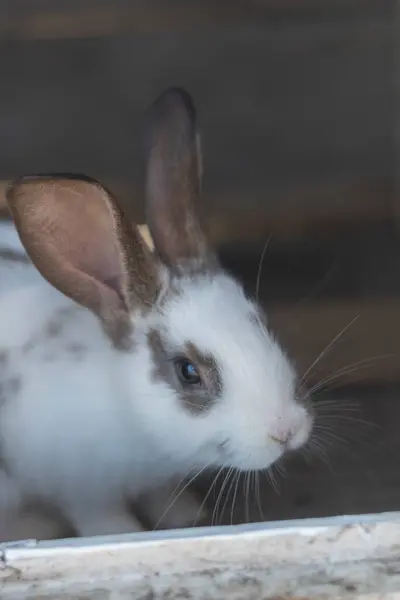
{"x":206,"y":379}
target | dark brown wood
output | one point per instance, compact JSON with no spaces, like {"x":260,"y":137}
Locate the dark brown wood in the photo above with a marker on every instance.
{"x":297,"y":121}
{"x":61,"y":19}
{"x":294,"y":213}
{"x":368,"y":350}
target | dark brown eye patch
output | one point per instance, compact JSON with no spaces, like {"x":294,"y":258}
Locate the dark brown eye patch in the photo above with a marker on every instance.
{"x":192,"y":374}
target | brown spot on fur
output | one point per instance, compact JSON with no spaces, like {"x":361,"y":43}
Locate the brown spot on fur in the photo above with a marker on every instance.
{"x":9,"y":388}
{"x":54,"y":328}
{"x":195,"y":398}
{"x":3,"y":358}
{"x":11,"y":255}
{"x":76,"y":349}
{"x":14,"y":385}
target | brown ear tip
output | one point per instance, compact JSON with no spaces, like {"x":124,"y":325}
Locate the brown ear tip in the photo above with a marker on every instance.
{"x":177,"y":96}
{"x":15,"y":186}
{"x":173,"y":101}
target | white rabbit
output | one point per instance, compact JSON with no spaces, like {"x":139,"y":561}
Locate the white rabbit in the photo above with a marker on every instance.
{"x":127,"y":370}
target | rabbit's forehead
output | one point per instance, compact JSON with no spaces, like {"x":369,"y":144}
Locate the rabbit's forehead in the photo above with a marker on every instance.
{"x":209,"y":298}
{"x":215,"y":313}
{"x":212,"y":323}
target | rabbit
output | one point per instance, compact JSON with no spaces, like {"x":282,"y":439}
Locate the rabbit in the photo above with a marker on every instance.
{"x":124,"y":370}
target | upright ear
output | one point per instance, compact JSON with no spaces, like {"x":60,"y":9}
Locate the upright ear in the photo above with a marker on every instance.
{"x":79,"y":239}
{"x":173,"y":182}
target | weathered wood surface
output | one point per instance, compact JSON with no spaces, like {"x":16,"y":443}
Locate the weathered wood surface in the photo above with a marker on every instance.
{"x":297,"y":119}
{"x":339,"y":559}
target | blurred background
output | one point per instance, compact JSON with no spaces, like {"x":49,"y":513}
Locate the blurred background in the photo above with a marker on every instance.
{"x":298,"y":107}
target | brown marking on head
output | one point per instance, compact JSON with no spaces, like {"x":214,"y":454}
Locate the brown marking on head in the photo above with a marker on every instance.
{"x":195,"y":398}
{"x":11,"y":255}
{"x":173,"y":184}
{"x":81,"y":241}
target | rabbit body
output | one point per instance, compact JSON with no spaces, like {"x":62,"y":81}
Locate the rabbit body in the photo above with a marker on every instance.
{"x":70,"y":433}
{"x":122,"y":371}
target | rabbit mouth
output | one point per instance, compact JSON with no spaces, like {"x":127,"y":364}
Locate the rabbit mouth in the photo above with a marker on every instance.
{"x":251,"y":459}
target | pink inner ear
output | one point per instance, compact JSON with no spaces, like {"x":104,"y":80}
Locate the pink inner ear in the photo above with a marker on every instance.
{"x":87,"y":237}
{"x":69,"y":229}
{"x":99,"y":258}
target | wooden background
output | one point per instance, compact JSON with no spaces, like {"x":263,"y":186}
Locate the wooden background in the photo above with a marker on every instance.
{"x":297,"y":101}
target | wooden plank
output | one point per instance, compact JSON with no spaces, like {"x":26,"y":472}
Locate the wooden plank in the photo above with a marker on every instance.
{"x":44,"y":20}
{"x":367,"y":345}
{"x":297,"y":211}
{"x":289,"y":214}
{"x":297,"y":121}
{"x":340,"y":559}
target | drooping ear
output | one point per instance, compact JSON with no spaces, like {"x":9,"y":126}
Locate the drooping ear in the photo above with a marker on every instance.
{"x":80,"y":240}
{"x":173,"y":182}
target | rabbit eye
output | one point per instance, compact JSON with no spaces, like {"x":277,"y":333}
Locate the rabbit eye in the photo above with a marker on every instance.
{"x":187,"y":372}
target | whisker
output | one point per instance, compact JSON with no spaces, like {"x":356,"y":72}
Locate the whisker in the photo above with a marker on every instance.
{"x":339,"y":406}
{"x":281,"y":469}
{"x":272,"y":479}
{"x":317,"y":444}
{"x":258,"y":496}
{"x":247,"y":494}
{"x":328,"y":347}
{"x":191,"y":480}
{"x":314,"y":291}
{"x":361,"y":364}
{"x":227,"y":496}
{"x":260,"y":264}
{"x":319,"y":451}
{"x":215,"y":516}
{"x":237,"y":480}
{"x":213,"y":483}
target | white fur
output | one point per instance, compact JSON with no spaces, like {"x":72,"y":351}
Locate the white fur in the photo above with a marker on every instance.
{"x":9,"y":237}
{"x":86,"y":434}
{"x":14,"y":274}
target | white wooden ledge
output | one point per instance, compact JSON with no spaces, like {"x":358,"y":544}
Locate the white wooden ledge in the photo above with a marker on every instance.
{"x":343,"y":557}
